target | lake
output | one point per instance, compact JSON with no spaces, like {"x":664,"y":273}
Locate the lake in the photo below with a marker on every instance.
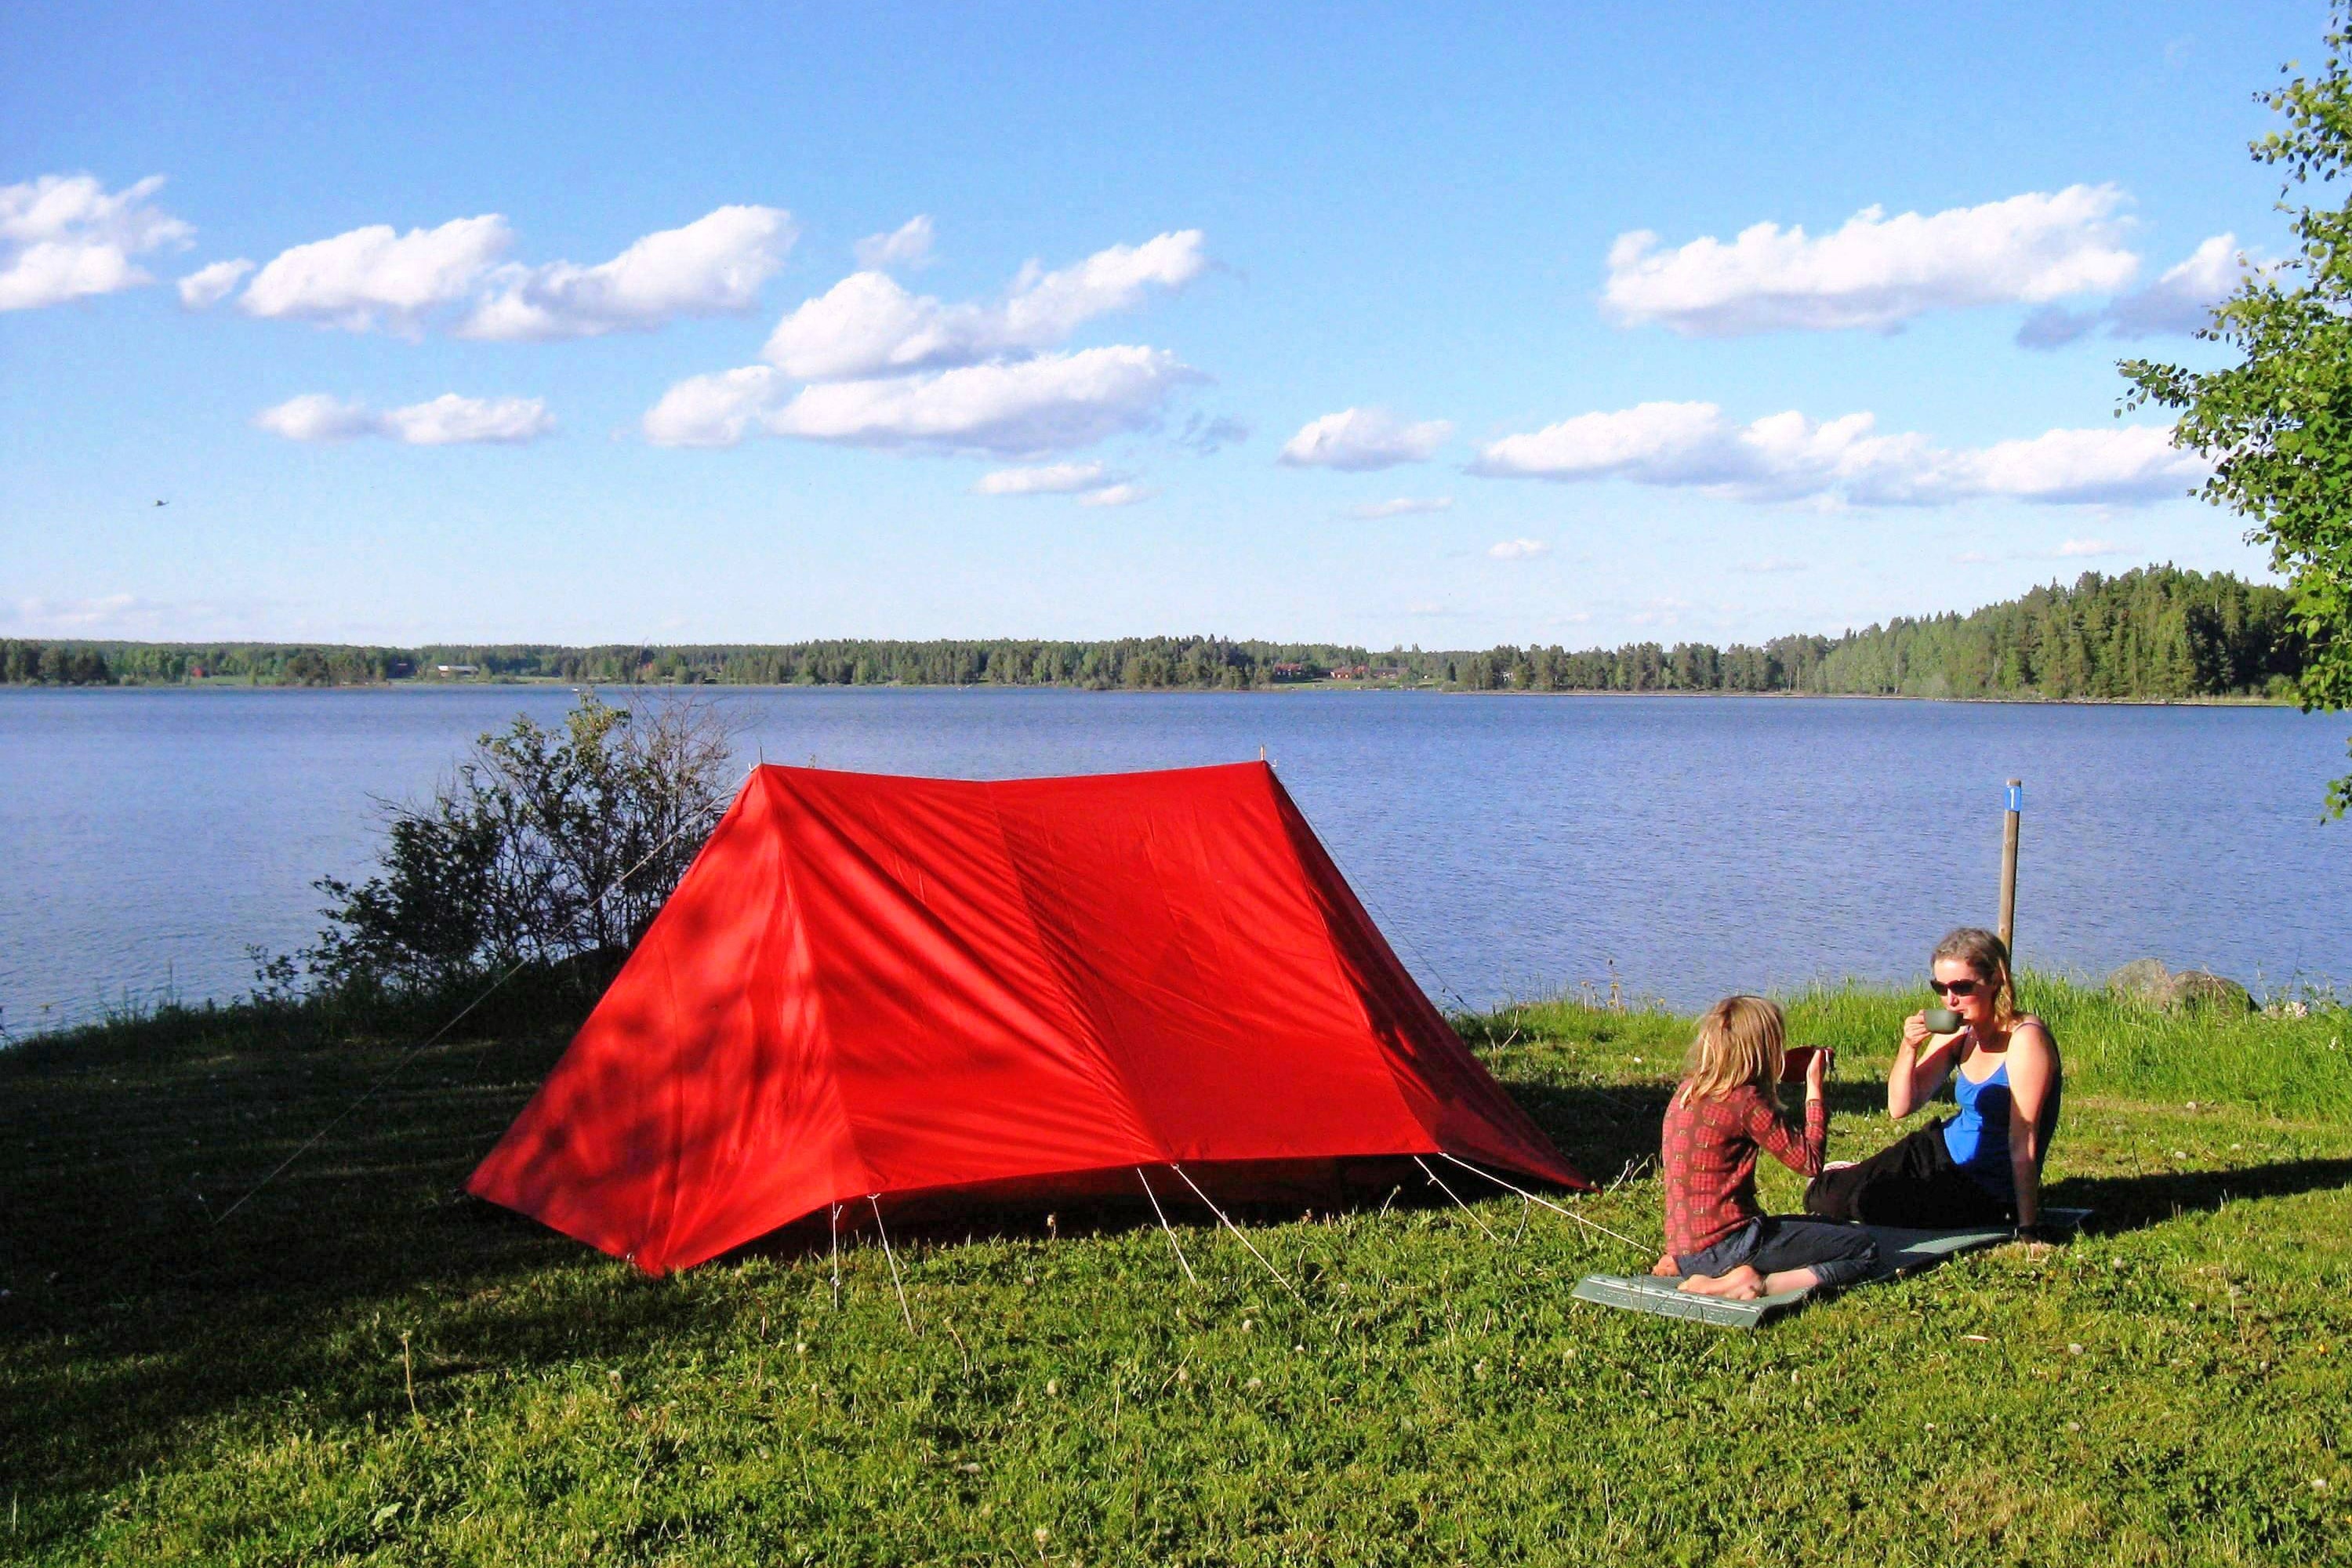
{"x":1509,"y":845}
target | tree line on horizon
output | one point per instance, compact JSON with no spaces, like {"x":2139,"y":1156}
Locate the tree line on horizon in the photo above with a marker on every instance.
{"x":2152,"y":632}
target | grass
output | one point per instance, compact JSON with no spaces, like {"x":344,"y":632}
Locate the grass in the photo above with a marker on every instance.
{"x":363,"y":1367}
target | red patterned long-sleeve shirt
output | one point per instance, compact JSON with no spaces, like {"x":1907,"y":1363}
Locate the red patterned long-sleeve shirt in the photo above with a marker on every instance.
{"x":1708,"y":1152}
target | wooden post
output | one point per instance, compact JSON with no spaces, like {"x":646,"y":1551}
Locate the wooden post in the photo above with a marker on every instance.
{"x":2009,"y":869}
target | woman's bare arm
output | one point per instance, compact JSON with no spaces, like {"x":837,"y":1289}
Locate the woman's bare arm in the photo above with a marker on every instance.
{"x":1917,"y":1071}
{"x":2032,"y":1067}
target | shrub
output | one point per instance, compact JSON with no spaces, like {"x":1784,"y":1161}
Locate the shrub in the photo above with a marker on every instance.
{"x":545,"y":845}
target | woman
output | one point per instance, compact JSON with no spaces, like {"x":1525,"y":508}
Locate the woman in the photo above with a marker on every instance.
{"x":1983,"y":1167}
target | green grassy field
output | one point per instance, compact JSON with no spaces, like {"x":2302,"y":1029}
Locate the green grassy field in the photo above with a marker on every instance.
{"x":361,"y":1366}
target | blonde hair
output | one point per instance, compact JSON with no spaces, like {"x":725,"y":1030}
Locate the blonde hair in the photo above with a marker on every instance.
{"x":1739,"y":1041}
{"x":1988,"y":956}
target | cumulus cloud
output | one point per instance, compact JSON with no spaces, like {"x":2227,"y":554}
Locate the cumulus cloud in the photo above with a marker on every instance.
{"x":445,"y":421}
{"x":1789,"y":457}
{"x":714,"y":410}
{"x":1518,"y":550}
{"x":1050,"y":479}
{"x":1876,"y":272}
{"x":908,"y":245}
{"x":377,"y":276}
{"x":1402,"y":506}
{"x":1362,"y":438}
{"x":714,"y":266}
{"x":2177,"y":303}
{"x":458,"y":275}
{"x":1117,"y":495}
{"x":869,"y":325}
{"x":207,"y":286}
{"x":64,"y":236}
{"x":2077,"y":547}
{"x":1026,"y":408}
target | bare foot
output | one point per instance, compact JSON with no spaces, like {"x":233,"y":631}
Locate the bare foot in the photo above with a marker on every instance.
{"x":1731,"y":1283}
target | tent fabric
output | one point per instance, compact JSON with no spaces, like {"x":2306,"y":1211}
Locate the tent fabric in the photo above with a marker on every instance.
{"x":871,"y":985}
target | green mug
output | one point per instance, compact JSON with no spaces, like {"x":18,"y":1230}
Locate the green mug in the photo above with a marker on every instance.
{"x":1942,"y":1021}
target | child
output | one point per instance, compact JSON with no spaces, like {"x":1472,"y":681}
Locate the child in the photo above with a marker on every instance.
{"x":1726,"y":1109}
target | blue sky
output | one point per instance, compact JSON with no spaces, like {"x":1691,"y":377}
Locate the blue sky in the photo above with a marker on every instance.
{"x":1312,"y":324}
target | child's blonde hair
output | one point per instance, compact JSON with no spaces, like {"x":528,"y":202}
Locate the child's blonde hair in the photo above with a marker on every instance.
{"x":1739,"y":1041}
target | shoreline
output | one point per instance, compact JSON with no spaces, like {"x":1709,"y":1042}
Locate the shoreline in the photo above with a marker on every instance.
{"x":1281,"y":690}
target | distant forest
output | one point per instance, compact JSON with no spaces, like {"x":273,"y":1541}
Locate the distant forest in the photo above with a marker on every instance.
{"x":2154,"y":633}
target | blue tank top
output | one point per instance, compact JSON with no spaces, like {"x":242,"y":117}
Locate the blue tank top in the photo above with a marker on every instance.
{"x":1978,"y":1137}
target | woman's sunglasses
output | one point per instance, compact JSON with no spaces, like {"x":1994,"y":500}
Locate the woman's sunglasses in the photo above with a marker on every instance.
{"x":1954,"y":987}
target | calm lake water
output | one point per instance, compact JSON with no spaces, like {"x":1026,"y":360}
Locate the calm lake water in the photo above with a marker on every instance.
{"x":1509,"y":845}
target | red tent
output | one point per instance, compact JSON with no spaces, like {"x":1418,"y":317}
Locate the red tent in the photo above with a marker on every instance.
{"x":927,"y":989}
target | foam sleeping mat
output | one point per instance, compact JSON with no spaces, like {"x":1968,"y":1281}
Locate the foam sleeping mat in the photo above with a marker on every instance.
{"x":1900,"y":1252}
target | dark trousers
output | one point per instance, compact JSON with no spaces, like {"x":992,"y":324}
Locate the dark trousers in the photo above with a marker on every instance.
{"x":1837,"y":1254}
{"x":1912,"y":1183}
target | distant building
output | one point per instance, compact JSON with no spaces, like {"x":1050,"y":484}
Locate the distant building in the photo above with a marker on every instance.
{"x":454,"y":669}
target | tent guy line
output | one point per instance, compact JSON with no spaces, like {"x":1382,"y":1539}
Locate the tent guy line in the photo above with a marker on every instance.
{"x":1170,"y":1229}
{"x":892,"y":1258}
{"x":1547,"y":1203}
{"x":1237,"y":1231}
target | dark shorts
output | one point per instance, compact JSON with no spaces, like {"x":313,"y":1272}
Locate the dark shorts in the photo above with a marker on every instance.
{"x":1912,"y":1183}
{"x":1837,"y":1254}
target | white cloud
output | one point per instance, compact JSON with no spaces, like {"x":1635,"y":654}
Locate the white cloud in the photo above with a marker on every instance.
{"x":713,"y":410}
{"x":2075,"y":547}
{"x":1402,"y":506}
{"x":1362,"y":438}
{"x":1876,"y":272}
{"x":374,"y":276}
{"x":1973,"y":558}
{"x":450,"y":420}
{"x":868,"y":325}
{"x":1518,"y":550}
{"x":714,"y":266}
{"x":2177,"y":303}
{"x":1052,"y":480}
{"x":908,"y":245}
{"x":1788,"y":457}
{"x":206,"y":285}
{"x":1117,"y":495}
{"x":1027,"y":408}
{"x":317,"y":417}
{"x":457,"y":273}
{"x":63,"y":237}
{"x":445,"y":421}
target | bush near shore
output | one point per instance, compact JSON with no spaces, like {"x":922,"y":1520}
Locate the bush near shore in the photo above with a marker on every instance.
{"x":359,"y":1365}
